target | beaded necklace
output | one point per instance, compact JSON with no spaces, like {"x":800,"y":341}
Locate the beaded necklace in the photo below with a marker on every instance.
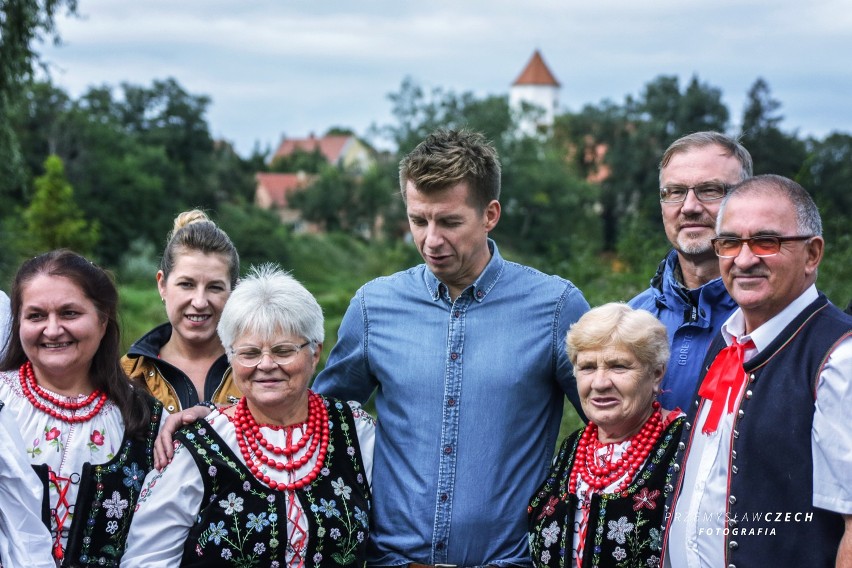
{"x":47,"y":403}
{"x":252,"y":443}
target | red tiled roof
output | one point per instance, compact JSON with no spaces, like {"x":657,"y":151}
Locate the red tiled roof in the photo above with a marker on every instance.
{"x":536,"y":73}
{"x":330,"y":147}
{"x":279,"y":186}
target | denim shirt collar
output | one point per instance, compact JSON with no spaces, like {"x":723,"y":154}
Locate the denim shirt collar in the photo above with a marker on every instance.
{"x":483,"y":283}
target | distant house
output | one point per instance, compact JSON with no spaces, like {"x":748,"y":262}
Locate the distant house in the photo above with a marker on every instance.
{"x":339,"y":149}
{"x":535,"y":86}
{"x":272,"y":191}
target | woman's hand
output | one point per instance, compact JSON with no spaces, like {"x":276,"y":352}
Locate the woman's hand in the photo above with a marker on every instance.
{"x":164,"y":448}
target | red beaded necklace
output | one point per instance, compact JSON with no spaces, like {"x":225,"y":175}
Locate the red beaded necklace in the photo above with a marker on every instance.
{"x":34,"y":393}
{"x":600,"y":476}
{"x":252,"y":442}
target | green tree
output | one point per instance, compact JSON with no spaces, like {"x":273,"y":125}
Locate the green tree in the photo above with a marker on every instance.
{"x":299,"y":161}
{"x":53,"y":219}
{"x":22,"y":23}
{"x":772,"y":150}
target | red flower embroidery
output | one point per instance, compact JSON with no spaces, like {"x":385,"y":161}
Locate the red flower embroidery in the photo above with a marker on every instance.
{"x":645,"y":498}
{"x":97,"y":438}
{"x":52,"y":434}
{"x":550,"y":508}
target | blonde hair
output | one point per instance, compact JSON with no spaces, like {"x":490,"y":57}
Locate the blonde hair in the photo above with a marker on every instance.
{"x":618,"y":324}
{"x":194,"y":231}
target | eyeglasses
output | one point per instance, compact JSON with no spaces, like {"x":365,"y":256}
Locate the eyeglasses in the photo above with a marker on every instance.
{"x":730,"y":247}
{"x":280,"y":354}
{"x":707,"y":191}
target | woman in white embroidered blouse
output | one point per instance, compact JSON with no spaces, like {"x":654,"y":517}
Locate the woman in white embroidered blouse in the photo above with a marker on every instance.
{"x":281,"y":477}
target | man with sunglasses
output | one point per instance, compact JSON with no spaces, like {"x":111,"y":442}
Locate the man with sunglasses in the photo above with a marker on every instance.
{"x":767,"y":471}
{"x":686,"y":293}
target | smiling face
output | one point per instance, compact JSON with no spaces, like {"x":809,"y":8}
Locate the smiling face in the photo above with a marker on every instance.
{"x":616,"y":390}
{"x":61,"y":331}
{"x":276,"y":394}
{"x":763,"y":287}
{"x":691,"y":224}
{"x":451,"y":233}
{"x":194,"y":294}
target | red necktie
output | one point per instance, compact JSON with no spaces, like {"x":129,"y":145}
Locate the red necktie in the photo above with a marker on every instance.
{"x":725,"y":376}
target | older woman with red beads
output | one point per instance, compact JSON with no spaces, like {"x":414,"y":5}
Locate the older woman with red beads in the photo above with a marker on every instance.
{"x":88,"y":431}
{"x":602,"y":503}
{"x":281,"y":478}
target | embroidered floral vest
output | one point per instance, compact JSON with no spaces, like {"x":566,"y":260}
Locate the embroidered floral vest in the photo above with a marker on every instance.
{"x":624,"y":530}
{"x":106,"y":499}
{"x":243,"y":522}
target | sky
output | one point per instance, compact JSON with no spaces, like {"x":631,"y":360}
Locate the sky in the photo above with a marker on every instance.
{"x":295,"y":67}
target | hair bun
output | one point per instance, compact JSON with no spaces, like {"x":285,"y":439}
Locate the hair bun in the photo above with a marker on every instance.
{"x":189,"y":217}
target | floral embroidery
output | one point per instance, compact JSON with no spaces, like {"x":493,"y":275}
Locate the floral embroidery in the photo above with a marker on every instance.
{"x":232,"y":504}
{"x":53,"y":437}
{"x":216,"y":533}
{"x":549,"y":508}
{"x":550,"y":534}
{"x":618,"y":531}
{"x":619,"y":553}
{"x":115,"y":507}
{"x":35,"y":450}
{"x":95,"y":440}
{"x":656,"y":543}
{"x":134,"y":477}
{"x":645,"y":498}
{"x":653,"y":562}
{"x":112,"y":527}
{"x":244,"y":534}
{"x":257,"y":522}
{"x":341,"y":489}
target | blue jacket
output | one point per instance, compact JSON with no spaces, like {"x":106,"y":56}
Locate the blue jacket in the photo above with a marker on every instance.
{"x":692,"y":318}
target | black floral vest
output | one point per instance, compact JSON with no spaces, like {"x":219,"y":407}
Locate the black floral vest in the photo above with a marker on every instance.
{"x":107,"y":499}
{"x":624,"y":530}
{"x":243,"y":522}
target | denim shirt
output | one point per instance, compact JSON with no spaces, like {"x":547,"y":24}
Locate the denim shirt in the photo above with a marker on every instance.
{"x":692,"y":319}
{"x":469,"y":395}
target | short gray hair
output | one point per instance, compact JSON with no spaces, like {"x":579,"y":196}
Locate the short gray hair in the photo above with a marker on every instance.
{"x":808,"y":220}
{"x":709,"y":138}
{"x":269,"y":301}
{"x":619,"y":325}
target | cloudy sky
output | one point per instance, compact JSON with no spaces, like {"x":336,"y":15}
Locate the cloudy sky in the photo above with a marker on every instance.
{"x":274,"y":67}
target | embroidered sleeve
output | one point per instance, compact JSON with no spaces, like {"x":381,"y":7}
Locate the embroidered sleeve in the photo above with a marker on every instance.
{"x":365,"y":426}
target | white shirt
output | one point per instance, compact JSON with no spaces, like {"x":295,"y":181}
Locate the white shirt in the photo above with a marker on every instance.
{"x":24,"y":540}
{"x":696,"y":537}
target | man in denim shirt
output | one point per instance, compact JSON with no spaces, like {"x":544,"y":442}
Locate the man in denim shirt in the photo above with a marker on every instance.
{"x":686,"y":293}
{"x":466,"y":355}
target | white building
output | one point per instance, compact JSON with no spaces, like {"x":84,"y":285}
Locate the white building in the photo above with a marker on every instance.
{"x":537,"y":87}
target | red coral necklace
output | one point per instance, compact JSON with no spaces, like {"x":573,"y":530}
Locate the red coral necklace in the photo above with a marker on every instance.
{"x":36,"y":395}
{"x":600,"y":476}
{"x":252,"y":442}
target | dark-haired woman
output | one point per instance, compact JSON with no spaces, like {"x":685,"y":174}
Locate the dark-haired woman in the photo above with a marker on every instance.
{"x":182,"y":361}
{"x":87,"y":431}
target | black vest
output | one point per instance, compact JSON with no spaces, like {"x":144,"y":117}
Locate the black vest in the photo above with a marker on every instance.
{"x":98,"y":533}
{"x":771,"y":465}
{"x":632,"y":521}
{"x":243,"y":519}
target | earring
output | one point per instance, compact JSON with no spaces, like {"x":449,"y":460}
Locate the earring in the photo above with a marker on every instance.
{"x":163,"y":300}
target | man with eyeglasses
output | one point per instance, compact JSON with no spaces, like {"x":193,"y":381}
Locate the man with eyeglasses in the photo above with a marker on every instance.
{"x":767,"y":471}
{"x":686,"y":294}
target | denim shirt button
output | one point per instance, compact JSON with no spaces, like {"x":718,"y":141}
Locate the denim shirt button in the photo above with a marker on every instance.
{"x":454,"y":356}
{"x":448,"y":450}
{"x":451,"y":402}
{"x":444,"y":497}
{"x":456,"y":313}
{"x":479,"y":294}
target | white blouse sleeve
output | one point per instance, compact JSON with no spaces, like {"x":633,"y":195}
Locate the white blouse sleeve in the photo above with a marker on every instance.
{"x":165,"y":513}
{"x":831,"y":435}
{"x":365,"y":428}
{"x":24,"y":539}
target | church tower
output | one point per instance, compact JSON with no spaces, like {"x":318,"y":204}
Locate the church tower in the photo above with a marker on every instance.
{"x":537,"y":87}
